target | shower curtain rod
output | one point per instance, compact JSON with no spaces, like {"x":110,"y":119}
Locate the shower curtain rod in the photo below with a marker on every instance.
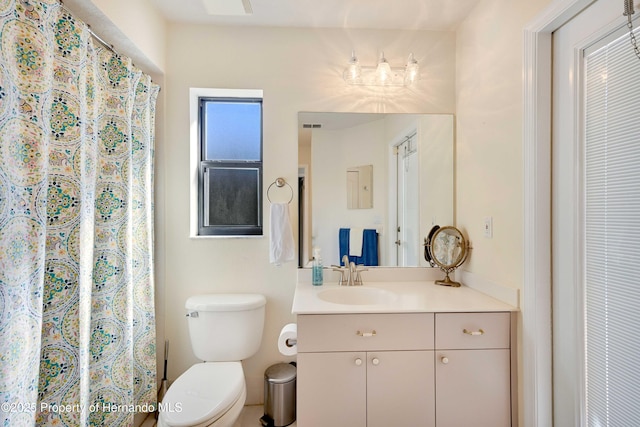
{"x":94,"y":35}
{"x":91,"y":32}
{"x":101,"y":41}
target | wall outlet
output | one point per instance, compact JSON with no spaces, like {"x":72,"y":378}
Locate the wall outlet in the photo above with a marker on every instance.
{"x":488,"y":227}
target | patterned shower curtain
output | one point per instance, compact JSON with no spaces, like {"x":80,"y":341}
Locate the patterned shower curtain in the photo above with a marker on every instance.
{"x":77,"y":326}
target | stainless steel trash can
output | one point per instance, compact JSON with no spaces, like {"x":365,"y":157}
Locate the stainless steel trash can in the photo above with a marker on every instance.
{"x":279,"y":395}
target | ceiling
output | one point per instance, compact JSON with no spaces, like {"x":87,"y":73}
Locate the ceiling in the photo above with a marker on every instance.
{"x":435,"y":15}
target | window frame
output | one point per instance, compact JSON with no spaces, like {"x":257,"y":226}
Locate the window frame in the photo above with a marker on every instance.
{"x":198,"y":99}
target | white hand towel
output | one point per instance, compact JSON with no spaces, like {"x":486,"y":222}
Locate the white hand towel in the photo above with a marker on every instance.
{"x":281,"y":244}
{"x":355,"y":241}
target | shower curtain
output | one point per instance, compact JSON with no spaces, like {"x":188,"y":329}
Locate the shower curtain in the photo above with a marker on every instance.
{"x":77,"y":326}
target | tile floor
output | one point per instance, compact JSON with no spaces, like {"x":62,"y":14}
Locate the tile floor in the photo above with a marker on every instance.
{"x":250,"y":417}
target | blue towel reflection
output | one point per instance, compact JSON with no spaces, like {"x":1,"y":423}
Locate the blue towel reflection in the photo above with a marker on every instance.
{"x":369,"y":247}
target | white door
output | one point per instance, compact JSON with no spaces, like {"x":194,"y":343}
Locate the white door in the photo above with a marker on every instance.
{"x":408,"y":233}
{"x":575,"y":373}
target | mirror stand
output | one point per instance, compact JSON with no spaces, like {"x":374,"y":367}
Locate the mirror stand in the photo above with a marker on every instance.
{"x":447,"y":281}
{"x":448,"y":248}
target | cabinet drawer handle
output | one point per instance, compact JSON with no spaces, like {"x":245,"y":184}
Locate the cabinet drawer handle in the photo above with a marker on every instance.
{"x":474,"y":333}
{"x":366,"y":334}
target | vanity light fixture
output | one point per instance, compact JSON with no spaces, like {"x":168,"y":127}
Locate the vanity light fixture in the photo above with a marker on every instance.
{"x":383,"y":74}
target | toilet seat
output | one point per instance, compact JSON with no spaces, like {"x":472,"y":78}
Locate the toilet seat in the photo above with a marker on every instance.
{"x":203,"y":394}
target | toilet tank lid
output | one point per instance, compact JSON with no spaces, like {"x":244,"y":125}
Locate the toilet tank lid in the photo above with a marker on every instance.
{"x":225,"y":302}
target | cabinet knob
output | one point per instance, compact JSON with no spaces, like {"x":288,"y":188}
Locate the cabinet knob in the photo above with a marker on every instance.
{"x":444,"y":360}
{"x":375,"y":361}
{"x":358,"y":362}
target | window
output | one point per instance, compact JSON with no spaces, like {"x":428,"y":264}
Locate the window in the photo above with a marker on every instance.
{"x":226,"y":141}
{"x":612,"y":234}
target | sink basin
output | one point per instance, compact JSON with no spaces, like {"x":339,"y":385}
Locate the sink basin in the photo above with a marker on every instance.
{"x":357,"y":295}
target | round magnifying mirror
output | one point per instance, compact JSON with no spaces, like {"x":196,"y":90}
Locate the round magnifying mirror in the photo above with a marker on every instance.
{"x":449,"y":250}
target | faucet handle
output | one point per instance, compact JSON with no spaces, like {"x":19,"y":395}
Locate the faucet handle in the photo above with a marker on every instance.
{"x":358,"y":279}
{"x":342,"y":270}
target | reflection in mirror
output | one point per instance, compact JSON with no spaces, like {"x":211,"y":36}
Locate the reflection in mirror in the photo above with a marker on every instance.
{"x":411,"y":156}
{"x":360,"y":187}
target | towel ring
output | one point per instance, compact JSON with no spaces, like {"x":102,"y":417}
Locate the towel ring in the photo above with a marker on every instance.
{"x":280,"y":182}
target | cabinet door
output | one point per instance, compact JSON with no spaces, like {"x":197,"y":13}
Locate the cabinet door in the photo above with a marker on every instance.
{"x":473,"y":388}
{"x":400,"y":389}
{"x":331,"y":389}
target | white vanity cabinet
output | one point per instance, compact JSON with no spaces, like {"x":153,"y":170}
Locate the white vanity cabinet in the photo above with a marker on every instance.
{"x":365,"y":370}
{"x":404,"y":370}
{"x":473,"y":369}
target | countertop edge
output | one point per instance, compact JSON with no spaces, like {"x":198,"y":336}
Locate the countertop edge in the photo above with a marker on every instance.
{"x":415,"y":297}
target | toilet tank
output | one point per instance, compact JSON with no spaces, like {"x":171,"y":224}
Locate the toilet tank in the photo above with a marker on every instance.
{"x":225,"y":327}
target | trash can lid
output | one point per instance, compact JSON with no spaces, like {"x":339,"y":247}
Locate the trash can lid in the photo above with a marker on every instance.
{"x":280,"y":373}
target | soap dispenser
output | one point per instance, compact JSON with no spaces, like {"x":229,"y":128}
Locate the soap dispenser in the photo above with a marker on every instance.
{"x":316,"y":269}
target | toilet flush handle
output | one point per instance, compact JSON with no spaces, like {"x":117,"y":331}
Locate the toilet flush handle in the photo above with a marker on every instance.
{"x":192,"y":314}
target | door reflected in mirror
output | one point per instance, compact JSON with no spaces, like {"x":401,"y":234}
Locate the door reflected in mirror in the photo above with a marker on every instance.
{"x":411,"y":161}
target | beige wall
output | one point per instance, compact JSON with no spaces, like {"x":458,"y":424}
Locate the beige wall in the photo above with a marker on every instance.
{"x":142,"y":25}
{"x":299,"y":70}
{"x":489,"y":166}
{"x":489,"y":135}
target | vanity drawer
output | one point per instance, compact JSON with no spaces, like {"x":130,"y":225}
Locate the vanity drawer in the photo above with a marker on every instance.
{"x":355,"y":332}
{"x":472,"y":330}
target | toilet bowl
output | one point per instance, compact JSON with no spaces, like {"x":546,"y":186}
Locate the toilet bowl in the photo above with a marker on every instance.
{"x":224,"y":329}
{"x":207,"y":394}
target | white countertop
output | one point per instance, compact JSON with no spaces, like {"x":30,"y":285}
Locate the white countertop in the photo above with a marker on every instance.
{"x":410,"y":297}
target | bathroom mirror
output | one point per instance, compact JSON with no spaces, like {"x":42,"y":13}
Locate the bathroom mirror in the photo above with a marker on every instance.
{"x":411,"y":159}
{"x":360,"y":187}
{"x":448,"y":249}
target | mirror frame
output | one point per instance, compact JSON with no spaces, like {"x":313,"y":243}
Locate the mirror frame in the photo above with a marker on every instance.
{"x":462,"y":244}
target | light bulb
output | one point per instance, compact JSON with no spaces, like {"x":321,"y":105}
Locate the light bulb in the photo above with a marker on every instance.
{"x":353,"y":72}
{"x":383,"y":71}
{"x":411,"y":70}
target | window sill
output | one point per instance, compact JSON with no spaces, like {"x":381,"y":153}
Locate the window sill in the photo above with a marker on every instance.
{"x":196,"y":237}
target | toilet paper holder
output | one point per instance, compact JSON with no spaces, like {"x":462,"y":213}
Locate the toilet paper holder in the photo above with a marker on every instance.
{"x":291,"y":342}
{"x":288,"y":340}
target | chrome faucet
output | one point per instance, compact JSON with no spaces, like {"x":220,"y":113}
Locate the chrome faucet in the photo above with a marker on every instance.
{"x":353,"y":277}
{"x":343,"y":270}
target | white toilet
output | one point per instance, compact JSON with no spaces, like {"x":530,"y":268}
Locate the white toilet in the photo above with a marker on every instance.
{"x":224,"y":329}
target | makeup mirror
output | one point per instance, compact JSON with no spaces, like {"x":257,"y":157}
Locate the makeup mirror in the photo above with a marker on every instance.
{"x":448,"y":249}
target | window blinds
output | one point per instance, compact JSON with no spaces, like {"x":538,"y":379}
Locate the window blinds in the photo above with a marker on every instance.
{"x":612,"y":239}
